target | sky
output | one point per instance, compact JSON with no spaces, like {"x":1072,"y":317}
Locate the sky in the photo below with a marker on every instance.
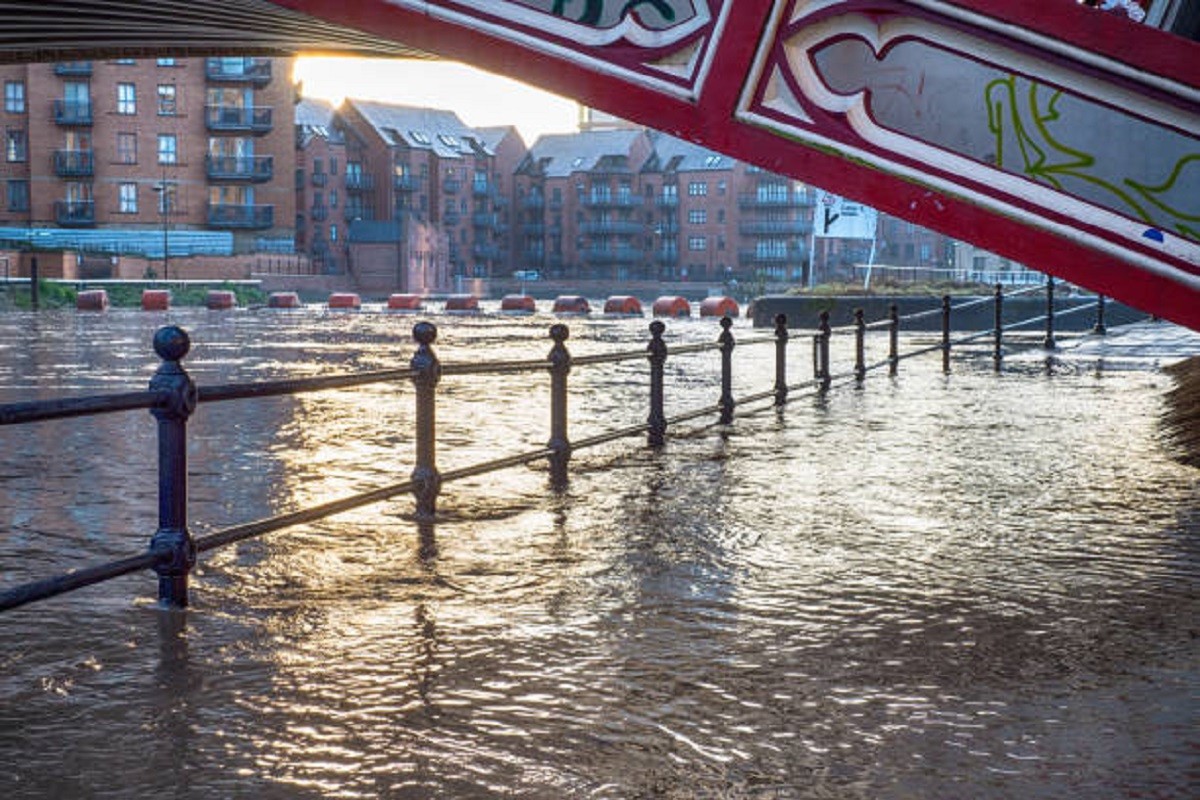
{"x":480,"y":99}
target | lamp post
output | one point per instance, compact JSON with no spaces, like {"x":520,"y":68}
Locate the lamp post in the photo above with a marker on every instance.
{"x":164,"y":208}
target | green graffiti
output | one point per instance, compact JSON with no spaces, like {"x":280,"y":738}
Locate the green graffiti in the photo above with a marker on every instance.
{"x":1028,"y":120}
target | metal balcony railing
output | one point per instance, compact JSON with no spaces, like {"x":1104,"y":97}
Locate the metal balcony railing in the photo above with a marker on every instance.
{"x":238,"y":70}
{"x":773,"y":200}
{"x":75,"y":213}
{"x":74,"y":163}
{"x":72,"y":112}
{"x":775,"y":227}
{"x":233,"y":215}
{"x":256,"y":169}
{"x":405,"y":183}
{"x":358,"y":182}
{"x":73,"y":69}
{"x":239,"y":119}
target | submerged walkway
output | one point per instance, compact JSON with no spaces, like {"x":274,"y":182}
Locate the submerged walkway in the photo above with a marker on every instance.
{"x":1143,"y":344}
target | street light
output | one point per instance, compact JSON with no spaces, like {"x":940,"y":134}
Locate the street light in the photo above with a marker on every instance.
{"x":164,"y":208}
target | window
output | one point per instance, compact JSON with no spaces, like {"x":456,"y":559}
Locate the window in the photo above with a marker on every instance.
{"x":127,"y":200}
{"x":167,"y":149}
{"x":721,"y":188}
{"x":166,"y":62}
{"x":168,"y":196}
{"x":333,"y":198}
{"x":166,"y":100}
{"x":126,"y":98}
{"x":333,"y":233}
{"x":697,"y":189}
{"x":697,"y":243}
{"x":720,"y":215}
{"x":15,"y":145}
{"x":333,"y":166}
{"x":14,"y":97}
{"x":698,"y":216}
{"x":128,"y":62}
{"x":126,"y":148}
{"x":18,"y":195}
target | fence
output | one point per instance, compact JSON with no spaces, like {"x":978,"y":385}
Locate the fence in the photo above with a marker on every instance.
{"x":172,"y":397}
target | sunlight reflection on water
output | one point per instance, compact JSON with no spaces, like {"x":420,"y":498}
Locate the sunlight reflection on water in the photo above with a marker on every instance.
{"x":976,"y":585}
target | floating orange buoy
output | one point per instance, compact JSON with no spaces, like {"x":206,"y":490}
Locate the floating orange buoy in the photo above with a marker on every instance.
{"x":92,"y":300}
{"x":571,"y":304}
{"x":518,"y":304}
{"x":344,"y":301}
{"x":623,"y":304}
{"x":718,"y":307}
{"x":221,"y":299}
{"x":155,"y":299}
{"x":283,"y":300}
{"x":672,"y":306}
{"x":404,"y":302}
{"x":462,"y":302}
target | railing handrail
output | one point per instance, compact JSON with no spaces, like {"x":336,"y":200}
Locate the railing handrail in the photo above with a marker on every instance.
{"x":173,"y":396}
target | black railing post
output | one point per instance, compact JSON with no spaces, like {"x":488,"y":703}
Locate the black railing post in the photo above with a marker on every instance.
{"x":1099,"y":329}
{"x":657,"y":350}
{"x":823,"y":339}
{"x":781,"y":340}
{"x":893,"y":339}
{"x":427,"y":371}
{"x":945,"y":333}
{"x":1049,"y":342}
{"x":860,"y":349}
{"x":172,"y":542}
{"x":560,"y":367}
{"x":725,"y":343}
{"x":998,"y":329}
{"x":34,"y":283}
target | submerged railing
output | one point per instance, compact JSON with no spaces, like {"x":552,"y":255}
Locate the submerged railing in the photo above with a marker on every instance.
{"x":173,"y":397}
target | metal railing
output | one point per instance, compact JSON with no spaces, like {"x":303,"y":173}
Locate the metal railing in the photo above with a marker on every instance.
{"x":172,"y":397}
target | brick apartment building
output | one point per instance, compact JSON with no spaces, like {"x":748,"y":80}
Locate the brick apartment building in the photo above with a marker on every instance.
{"x":118,"y":156}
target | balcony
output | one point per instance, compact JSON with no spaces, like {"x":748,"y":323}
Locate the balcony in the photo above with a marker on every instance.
{"x":451,"y":217}
{"x":256,"y":169}
{"x":533,"y":202}
{"x":667,"y":201}
{"x":610,"y":201}
{"x":451,"y":185}
{"x":795,"y":227}
{"x":481,"y":189}
{"x":485,"y":221}
{"x":774,"y":201}
{"x":405,"y":183}
{"x":319,"y":213}
{"x":74,"y":163}
{"x":358,"y":182}
{"x":792,"y":255}
{"x":612,"y":255}
{"x":73,"y":69}
{"x":239,"y":119}
{"x":613,"y":228}
{"x":488,"y":252}
{"x":320,"y":178}
{"x":666,"y":256}
{"x":255,"y":71}
{"x":232,"y":215}
{"x":73,"y":112}
{"x":75,"y":213}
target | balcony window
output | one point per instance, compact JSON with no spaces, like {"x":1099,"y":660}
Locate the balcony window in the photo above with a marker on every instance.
{"x":126,"y":98}
{"x":18,"y":195}
{"x":168,"y":149}
{"x":127,"y":148}
{"x":16,"y":145}
{"x":166,"y":100}
{"x":14,"y":97}
{"x":127,"y":199}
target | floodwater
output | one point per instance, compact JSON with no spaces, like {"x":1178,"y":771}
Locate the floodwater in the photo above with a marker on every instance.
{"x":963,"y":586}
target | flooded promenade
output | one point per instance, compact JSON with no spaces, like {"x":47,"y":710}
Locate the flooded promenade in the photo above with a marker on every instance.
{"x":934,"y":586}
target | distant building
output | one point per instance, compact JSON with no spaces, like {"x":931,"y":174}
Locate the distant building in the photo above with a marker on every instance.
{"x":118,"y":156}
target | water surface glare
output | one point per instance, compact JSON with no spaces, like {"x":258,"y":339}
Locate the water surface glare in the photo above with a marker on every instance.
{"x":963,"y":586}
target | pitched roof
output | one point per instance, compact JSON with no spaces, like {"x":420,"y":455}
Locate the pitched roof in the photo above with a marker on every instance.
{"x":677,"y":155}
{"x":314,"y":118}
{"x":561,"y":154}
{"x":422,"y":128}
{"x":493,"y":135}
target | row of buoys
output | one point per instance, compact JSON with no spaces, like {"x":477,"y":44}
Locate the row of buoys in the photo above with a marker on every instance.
{"x":627,"y":305}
